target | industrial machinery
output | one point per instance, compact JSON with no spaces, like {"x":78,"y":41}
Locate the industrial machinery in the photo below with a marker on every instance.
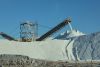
{"x":53,"y":30}
{"x":28,"y":31}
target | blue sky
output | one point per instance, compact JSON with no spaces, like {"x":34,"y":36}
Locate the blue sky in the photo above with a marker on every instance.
{"x":85,"y":14}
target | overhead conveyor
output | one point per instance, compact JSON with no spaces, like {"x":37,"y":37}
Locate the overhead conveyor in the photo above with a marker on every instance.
{"x":7,"y":36}
{"x":53,"y":30}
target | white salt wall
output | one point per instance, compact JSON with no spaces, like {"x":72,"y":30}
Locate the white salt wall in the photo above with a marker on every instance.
{"x":54,"y":50}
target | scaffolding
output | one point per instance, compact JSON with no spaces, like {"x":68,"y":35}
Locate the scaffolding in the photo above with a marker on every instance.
{"x":28,"y":31}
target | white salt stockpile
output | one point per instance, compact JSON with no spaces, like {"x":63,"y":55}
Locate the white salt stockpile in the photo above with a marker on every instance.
{"x":69,"y":46}
{"x":48,"y":50}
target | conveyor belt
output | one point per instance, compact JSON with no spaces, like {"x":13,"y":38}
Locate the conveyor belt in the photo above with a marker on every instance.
{"x":53,"y":30}
{"x":6,"y":36}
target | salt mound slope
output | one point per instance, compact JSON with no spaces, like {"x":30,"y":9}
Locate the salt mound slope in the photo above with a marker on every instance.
{"x":84,"y":47}
{"x":87,"y":47}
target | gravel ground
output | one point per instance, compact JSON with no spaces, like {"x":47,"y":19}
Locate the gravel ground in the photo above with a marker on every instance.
{"x":24,"y":61}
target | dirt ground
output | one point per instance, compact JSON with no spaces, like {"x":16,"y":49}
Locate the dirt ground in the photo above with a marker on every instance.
{"x":24,"y":61}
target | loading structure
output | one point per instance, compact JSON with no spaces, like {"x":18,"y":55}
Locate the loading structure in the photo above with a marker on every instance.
{"x":28,"y":31}
{"x":55,"y":29}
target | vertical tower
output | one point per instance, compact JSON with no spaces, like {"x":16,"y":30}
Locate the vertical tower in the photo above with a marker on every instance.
{"x":28,"y":31}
